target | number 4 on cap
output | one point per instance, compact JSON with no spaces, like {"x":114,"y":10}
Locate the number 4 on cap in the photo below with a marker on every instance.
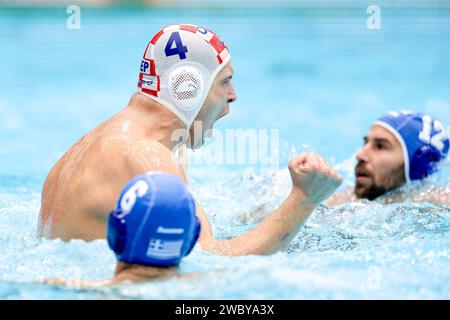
{"x":179,"y":48}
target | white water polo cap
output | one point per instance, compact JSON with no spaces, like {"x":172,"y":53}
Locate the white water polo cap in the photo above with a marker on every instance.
{"x":179,"y":66}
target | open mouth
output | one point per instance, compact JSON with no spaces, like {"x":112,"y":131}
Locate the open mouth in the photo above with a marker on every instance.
{"x":362,"y":174}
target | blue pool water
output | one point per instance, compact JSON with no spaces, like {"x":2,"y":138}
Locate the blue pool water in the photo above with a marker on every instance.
{"x":319,"y":78}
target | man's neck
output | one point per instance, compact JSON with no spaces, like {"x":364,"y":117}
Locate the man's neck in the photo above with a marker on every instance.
{"x":139,"y":273}
{"x":158,"y":122}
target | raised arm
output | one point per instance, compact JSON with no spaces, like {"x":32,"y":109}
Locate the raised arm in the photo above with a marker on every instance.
{"x":313,"y":180}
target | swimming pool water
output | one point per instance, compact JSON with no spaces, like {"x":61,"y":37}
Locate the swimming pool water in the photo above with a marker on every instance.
{"x":320,"y":79}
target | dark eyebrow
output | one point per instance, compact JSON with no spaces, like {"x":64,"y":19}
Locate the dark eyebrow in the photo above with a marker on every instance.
{"x":378,"y":140}
{"x":383,"y":141}
{"x":228,"y":78}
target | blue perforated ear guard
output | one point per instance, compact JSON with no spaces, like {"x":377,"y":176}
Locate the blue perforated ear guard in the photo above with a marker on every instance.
{"x":425,"y":161}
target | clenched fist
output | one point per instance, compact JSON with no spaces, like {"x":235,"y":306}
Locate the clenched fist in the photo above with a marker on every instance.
{"x":313,"y":177}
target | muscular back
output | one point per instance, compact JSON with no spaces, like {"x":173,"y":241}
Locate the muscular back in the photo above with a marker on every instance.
{"x":84,"y":185}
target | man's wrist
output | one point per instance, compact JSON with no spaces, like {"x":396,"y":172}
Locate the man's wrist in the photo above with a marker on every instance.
{"x":299,"y":197}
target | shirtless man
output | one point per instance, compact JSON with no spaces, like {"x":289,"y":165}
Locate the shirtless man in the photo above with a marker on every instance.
{"x":185,"y":76}
{"x":152,"y":228}
{"x":401,"y":146}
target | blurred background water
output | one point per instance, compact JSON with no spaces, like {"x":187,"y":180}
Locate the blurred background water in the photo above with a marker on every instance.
{"x":310,"y":69}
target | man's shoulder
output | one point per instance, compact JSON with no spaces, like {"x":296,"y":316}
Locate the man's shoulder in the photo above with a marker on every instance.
{"x":128,"y":145}
{"x":144,"y":155}
{"x":150,"y":146}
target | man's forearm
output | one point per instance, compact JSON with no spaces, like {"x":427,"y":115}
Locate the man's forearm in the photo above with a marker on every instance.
{"x":274,"y":233}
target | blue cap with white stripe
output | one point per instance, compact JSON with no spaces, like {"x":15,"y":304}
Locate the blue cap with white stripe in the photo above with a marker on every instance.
{"x":154,"y":222}
{"x":423,"y":139}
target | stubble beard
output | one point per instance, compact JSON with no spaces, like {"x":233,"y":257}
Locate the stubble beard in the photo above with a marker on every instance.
{"x":390,"y":181}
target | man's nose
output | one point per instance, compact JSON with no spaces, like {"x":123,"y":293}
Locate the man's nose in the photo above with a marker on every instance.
{"x":362,"y":155}
{"x":231,"y":94}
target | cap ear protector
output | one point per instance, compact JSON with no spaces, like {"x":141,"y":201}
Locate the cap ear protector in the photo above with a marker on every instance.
{"x":186,"y":87}
{"x":117,"y":231}
{"x":424,"y":162}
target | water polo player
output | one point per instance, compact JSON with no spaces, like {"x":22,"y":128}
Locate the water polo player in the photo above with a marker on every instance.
{"x":401,"y":146}
{"x":152,"y":228}
{"x":185,"y":75}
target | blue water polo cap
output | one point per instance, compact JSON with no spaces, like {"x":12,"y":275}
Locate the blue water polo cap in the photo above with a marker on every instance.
{"x":423,"y":140}
{"x":154,"y":222}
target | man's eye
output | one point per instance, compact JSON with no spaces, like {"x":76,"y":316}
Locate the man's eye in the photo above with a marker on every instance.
{"x":380,"y":146}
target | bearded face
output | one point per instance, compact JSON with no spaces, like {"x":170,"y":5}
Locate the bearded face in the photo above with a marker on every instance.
{"x":380,"y":166}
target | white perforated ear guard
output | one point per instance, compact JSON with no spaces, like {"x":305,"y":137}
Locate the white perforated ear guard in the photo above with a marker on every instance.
{"x":185,"y":84}
{"x":185,"y":87}
{"x":179,"y":67}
